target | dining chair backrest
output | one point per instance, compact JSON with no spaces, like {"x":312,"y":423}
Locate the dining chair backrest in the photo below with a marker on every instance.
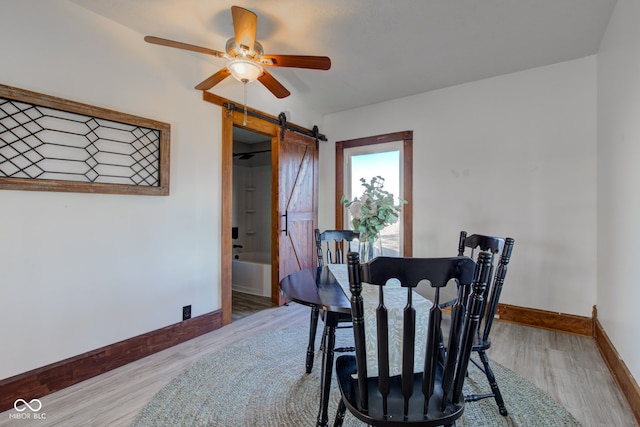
{"x":431,"y":392}
{"x":479,"y":241}
{"x":335,"y":244}
{"x":497,"y":246}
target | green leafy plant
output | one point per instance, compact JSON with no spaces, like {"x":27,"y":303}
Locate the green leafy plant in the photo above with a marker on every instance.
{"x":374,"y":210}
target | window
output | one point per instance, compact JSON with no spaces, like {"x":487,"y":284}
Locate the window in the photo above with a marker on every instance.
{"x":389,"y":156}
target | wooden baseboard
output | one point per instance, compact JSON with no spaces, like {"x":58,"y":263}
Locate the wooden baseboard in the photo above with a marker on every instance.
{"x":59,"y":375}
{"x":580,"y":325}
{"x":619,"y":371}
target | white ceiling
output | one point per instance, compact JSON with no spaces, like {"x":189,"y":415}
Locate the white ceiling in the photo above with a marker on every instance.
{"x":380,"y":49}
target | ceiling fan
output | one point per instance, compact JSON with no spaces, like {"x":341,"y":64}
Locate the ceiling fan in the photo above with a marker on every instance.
{"x":245,"y":57}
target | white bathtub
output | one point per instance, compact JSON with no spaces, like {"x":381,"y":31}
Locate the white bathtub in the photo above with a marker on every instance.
{"x":251,"y":273}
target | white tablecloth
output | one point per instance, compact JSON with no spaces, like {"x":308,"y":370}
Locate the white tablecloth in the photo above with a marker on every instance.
{"x":395,"y":298}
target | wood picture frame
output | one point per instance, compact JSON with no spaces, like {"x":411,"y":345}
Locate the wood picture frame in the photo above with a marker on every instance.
{"x":54,"y":144}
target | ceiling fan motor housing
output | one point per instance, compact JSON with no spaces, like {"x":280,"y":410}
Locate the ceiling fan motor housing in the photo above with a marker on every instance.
{"x":243,"y":51}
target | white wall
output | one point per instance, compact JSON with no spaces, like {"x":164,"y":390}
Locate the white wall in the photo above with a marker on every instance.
{"x":513,"y":155}
{"x":81,"y":271}
{"x":618,"y":290}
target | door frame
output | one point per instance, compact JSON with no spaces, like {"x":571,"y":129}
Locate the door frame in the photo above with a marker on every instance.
{"x":268,"y":126}
{"x":231,"y":118}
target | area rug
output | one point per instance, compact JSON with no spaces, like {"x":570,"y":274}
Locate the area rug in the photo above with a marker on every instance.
{"x":261,"y":382}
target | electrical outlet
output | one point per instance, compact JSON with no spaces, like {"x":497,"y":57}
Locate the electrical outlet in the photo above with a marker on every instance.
{"x":186,"y":312}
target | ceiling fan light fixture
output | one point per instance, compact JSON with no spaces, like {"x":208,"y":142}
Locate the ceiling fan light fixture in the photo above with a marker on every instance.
{"x":244,"y":71}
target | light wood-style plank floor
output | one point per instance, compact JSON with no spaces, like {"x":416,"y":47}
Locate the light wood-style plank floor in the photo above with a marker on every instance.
{"x":568,"y":367}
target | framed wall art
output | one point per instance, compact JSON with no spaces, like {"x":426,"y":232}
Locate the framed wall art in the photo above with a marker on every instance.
{"x":53,"y":144}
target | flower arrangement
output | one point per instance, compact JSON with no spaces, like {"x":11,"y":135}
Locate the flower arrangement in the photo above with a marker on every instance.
{"x":373,"y":211}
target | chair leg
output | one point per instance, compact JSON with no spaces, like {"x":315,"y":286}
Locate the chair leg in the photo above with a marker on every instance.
{"x":313,"y":326}
{"x":492,"y":382}
{"x":324,"y":334}
{"x":342,"y":408}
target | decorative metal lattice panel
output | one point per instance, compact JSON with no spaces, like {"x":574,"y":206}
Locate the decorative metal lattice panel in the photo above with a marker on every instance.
{"x":66,"y":146}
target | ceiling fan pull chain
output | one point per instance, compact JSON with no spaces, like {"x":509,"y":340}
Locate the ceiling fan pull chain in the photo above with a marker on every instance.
{"x":244,"y":120}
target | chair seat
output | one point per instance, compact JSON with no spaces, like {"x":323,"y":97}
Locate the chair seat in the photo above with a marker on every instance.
{"x":342,"y":317}
{"x":480,"y":344}
{"x":345,"y":372}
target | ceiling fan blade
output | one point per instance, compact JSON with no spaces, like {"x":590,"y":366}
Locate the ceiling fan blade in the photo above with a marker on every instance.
{"x":244,"y":27}
{"x":185,"y":46}
{"x":297,"y":61}
{"x":214,"y":79}
{"x":273,"y":85}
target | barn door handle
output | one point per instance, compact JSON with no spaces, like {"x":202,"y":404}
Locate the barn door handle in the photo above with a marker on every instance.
{"x":286,"y":223}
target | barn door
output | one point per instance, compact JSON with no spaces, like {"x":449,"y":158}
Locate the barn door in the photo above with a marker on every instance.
{"x":296,"y":176}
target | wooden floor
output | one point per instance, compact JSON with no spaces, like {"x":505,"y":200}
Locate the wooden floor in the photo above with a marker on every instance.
{"x":247,"y":304}
{"x":568,"y":367}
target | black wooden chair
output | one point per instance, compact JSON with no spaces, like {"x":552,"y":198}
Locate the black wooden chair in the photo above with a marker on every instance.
{"x":332,"y":245}
{"x":482,"y":342}
{"x":433,"y":396}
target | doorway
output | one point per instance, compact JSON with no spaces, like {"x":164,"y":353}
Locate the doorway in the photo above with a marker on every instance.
{"x":251,"y":223}
{"x":232,"y":119}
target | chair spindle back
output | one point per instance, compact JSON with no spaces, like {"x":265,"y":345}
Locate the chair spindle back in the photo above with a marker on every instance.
{"x":437,"y":385}
{"x":495,"y":245}
{"x":337,"y":243}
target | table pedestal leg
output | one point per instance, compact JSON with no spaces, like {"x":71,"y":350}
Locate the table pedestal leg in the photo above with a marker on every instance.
{"x":331,"y":321}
